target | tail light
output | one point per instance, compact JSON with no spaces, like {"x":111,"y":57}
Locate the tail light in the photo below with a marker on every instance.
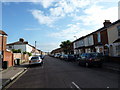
{"x":90,"y":59}
{"x":38,"y":60}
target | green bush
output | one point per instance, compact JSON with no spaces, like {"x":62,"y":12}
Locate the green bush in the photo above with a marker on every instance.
{"x":16,"y":51}
{"x":30,"y":54}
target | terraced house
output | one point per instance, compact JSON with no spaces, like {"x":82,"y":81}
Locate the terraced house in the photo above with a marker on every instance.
{"x":105,"y":40}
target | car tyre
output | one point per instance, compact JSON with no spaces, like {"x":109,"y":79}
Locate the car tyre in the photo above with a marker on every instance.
{"x":87,"y":64}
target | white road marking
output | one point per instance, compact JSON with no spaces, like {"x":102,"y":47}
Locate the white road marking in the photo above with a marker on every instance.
{"x":76,"y":85}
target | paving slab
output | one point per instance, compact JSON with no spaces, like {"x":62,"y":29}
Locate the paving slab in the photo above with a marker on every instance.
{"x":10,"y":74}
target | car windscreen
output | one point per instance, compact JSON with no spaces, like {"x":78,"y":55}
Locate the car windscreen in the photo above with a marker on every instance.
{"x":34,"y":58}
{"x":97,"y":55}
{"x":70,"y":55}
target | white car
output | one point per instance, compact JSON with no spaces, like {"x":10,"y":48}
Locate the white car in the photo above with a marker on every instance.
{"x":35,"y":60}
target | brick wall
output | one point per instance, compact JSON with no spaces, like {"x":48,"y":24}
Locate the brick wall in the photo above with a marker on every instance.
{"x":17,"y":55}
{"x":104,"y":37}
{"x":8,"y":56}
{"x":22,"y":57}
{"x":3,"y":40}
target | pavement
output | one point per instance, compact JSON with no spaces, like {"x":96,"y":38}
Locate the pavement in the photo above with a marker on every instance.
{"x":111,"y":66}
{"x":11,"y":73}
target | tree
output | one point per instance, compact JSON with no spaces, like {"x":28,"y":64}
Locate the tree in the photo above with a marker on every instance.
{"x":65,"y":45}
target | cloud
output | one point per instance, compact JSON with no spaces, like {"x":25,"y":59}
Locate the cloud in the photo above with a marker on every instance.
{"x":48,"y":46}
{"x":70,"y":32}
{"x":43,"y":19}
{"x":59,"y":10}
{"x":47,"y":3}
{"x":95,"y":15}
{"x":32,"y":29}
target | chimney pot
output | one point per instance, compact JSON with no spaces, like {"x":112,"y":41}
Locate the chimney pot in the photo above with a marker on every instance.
{"x":106,"y":23}
{"x":21,"y":40}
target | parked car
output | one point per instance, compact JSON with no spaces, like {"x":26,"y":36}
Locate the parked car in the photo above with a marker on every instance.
{"x":64,"y":56}
{"x":35,"y":60}
{"x":71,"y":57}
{"x":42,"y":56}
{"x":52,"y":55}
{"x":91,"y":59}
{"x":77,"y":57}
{"x":57,"y":55}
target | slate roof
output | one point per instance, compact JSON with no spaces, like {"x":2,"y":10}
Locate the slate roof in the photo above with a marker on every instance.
{"x":3,"y":33}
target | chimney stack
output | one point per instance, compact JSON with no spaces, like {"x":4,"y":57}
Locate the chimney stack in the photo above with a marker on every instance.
{"x":106,"y":23}
{"x":21,"y":40}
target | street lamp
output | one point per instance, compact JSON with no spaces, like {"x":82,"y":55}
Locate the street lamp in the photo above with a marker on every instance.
{"x":75,"y":45}
{"x":35,"y":47}
{"x":75,"y":37}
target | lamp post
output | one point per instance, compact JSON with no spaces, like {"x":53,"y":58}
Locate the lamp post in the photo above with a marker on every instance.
{"x":35,"y":47}
{"x":75,"y":45}
{"x":75,"y":37}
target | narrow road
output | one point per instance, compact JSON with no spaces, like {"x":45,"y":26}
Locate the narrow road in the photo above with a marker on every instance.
{"x":57,"y":73}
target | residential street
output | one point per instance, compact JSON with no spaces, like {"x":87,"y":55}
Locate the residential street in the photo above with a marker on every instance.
{"x":56,"y":73}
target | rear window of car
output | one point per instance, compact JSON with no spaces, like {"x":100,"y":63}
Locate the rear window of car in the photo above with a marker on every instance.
{"x":97,"y":55}
{"x":34,"y":58}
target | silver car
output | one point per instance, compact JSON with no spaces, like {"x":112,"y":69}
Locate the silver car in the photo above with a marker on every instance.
{"x":35,"y":60}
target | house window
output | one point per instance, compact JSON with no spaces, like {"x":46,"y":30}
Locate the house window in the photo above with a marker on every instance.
{"x":10,"y":46}
{"x":99,"y":38}
{"x":82,"y":42}
{"x":118,"y":27}
{"x":89,"y":41}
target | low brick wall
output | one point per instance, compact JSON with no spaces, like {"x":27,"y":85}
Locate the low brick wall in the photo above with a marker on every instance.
{"x":8,"y":56}
{"x":112,"y":59}
{"x":23,"y":57}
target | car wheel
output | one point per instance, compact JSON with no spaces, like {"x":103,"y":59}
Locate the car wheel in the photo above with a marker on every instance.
{"x":99,"y":65}
{"x":40,"y":64}
{"x":86,"y":64}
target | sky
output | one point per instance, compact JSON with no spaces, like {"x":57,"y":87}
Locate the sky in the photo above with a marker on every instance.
{"x":49,"y":22}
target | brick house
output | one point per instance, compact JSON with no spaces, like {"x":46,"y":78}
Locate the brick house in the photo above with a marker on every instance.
{"x":3,"y":39}
{"x":114,"y":39}
{"x":101,"y":38}
{"x":105,"y":40}
{"x":4,"y":54}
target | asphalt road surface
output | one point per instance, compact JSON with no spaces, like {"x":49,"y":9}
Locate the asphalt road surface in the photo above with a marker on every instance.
{"x":56,"y":73}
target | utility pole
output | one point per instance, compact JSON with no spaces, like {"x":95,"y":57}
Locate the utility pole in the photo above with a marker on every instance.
{"x":35,"y":47}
